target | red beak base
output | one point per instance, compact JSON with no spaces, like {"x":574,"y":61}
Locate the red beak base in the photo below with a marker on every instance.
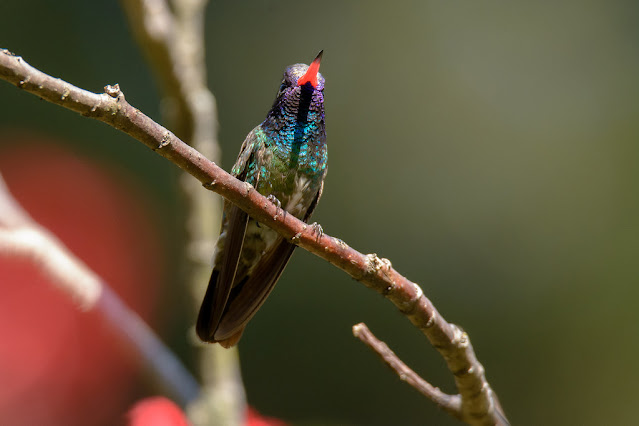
{"x":311,"y":74}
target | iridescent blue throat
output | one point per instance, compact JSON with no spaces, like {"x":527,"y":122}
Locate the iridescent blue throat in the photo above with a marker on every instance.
{"x":295,"y":125}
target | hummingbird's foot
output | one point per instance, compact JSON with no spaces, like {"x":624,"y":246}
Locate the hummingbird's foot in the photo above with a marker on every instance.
{"x":317,"y":229}
{"x":273,"y":199}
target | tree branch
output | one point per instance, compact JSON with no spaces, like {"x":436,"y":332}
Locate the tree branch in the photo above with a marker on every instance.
{"x":479,"y":404}
{"x":450,"y":403}
{"x":21,"y":236}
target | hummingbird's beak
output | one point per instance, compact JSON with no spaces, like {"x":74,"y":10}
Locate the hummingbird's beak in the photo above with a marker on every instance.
{"x":311,"y":73}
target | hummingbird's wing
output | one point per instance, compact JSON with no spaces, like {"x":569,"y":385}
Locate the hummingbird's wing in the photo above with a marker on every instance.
{"x":223,"y":275}
{"x":249,"y":295}
{"x":234,"y":229}
{"x":311,"y":209}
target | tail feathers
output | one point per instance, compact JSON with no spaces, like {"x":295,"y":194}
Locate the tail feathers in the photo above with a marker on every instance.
{"x":204,"y":327}
{"x":231,"y":341}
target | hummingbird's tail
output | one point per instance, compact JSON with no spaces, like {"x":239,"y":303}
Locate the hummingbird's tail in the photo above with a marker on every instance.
{"x":204,"y":327}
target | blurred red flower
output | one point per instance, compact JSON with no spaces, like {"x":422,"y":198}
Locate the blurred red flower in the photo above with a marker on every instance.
{"x":160,"y":411}
{"x":253,"y":418}
{"x":156,"y":411}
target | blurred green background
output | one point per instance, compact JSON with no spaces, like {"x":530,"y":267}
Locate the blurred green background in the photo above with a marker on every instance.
{"x":489,"y":150}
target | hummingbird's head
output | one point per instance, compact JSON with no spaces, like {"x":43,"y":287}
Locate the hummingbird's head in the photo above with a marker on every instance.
{"x":301,"y":75}
{"x":301,"y":91}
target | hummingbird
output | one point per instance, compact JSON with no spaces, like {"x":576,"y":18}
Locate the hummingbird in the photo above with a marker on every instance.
{"x":283,"y":158}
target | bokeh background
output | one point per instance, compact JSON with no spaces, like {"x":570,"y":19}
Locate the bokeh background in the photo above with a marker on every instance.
{"x":489,"y":150}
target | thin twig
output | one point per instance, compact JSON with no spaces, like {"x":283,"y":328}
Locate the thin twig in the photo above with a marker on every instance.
{"x":479,"y":405}
{"x":450,"y":403}
{"x":21,"y":236}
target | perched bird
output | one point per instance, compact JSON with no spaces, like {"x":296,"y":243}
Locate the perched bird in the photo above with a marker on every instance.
{"x":284,"y":158}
